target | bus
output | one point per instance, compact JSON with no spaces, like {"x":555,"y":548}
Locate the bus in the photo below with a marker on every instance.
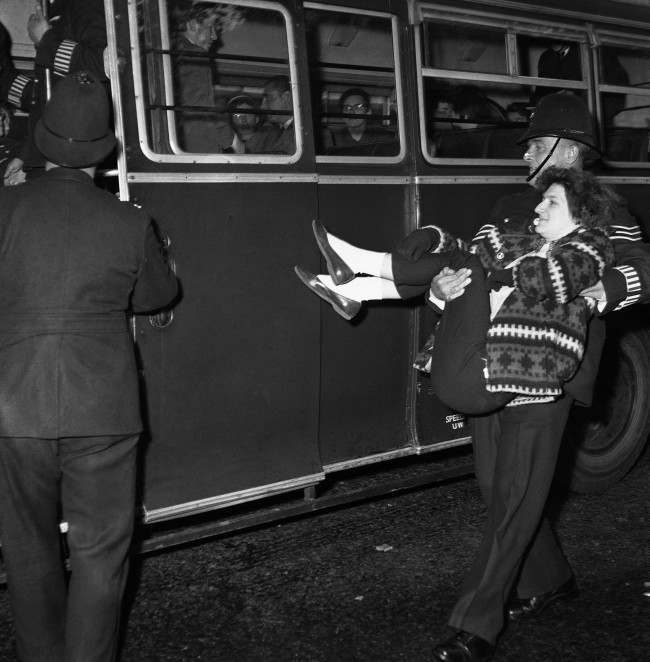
{"x":253,"y":388}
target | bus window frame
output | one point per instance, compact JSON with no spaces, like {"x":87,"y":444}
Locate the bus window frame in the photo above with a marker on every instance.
{"x":512,"y":26}
{"x":212,"y":158}
{"x":609,"y":37}
{"x":397,"y":73}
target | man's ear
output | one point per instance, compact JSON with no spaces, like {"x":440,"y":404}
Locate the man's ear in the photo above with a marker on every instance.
{"x":287,"y":99}
{"x":572,"y":154}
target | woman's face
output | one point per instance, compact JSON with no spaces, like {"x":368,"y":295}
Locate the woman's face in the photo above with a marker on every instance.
{"x":553,"y":217}
{"x":355,"y":104}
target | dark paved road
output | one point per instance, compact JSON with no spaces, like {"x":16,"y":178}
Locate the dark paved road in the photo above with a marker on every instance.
{"x":319,"y":589}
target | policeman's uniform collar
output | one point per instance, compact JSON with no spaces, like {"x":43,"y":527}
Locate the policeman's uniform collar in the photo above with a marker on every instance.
{"x":68,"y":174}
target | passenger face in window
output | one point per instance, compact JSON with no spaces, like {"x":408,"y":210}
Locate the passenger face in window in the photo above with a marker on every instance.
{"x":355,"y":104}
{"x":445,"y":108}
{"x":203,"y":32}
{"x":242,"y":122}
{"x":276,"y":98}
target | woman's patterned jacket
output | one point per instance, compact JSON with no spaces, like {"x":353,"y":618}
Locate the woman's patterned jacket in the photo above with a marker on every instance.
{"x":536,"y":340}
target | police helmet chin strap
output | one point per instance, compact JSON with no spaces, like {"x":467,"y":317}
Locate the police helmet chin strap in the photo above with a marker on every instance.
{"x":543,"y":163}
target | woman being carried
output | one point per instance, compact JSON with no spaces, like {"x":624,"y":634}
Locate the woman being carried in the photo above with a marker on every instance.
{"x":518,"y":332}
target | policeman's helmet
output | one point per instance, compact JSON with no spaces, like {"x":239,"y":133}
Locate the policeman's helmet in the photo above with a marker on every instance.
{"x":74,"y":130}
{"x":562,"y":115}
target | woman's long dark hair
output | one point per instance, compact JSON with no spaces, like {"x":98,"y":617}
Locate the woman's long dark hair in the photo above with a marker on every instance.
{"x":590,"y":203}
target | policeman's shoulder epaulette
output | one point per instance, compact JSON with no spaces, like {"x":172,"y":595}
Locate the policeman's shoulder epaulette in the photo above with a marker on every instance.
{"x":625,"y":232}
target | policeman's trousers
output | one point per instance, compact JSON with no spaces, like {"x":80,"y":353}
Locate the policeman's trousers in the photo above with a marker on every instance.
{"x":90,"y":483}
{"x":515,"y":454}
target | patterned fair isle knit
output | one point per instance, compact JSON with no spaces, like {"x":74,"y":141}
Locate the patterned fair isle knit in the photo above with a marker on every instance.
{"x":536,"y":339}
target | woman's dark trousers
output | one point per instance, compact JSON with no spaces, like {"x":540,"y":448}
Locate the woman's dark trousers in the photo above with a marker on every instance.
{"x":458,"y":359}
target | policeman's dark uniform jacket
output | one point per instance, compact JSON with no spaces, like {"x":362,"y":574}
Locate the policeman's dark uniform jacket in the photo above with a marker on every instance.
{"x":516,"y":447}
{"x":75,"y":42}
{"x":73,"y":260}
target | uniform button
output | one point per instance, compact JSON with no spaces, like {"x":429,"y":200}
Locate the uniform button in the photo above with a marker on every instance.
{"x":500,"y":256}
{"x":505,"y":220}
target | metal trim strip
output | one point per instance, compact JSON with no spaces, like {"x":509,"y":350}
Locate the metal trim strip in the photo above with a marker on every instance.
{"x":345,"y":10}
{"x":466,"y":179}
{"x":291,"y":178}
{"x":230,"y":499}
{"x":116,"y":93}
{"x":219,"y":178}
{"x":394,"y":455}
{"x":365,"y":179}
{"x":306,"y":178}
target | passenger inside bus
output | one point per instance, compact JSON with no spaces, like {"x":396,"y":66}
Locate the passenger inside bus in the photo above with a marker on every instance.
{"x":360,"y":133}
{"x":277,"y":98}
{"x":247,"y":133}
{"x":512,"y":274}
{"x":562,"y":60}
{"x":197,"y":28}
{"x":9,"y":146}
{"x":473,"y":118}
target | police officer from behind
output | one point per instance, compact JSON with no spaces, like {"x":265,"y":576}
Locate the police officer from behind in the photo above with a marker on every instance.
{"x":519,"y":568}
{"x":73,"y":260}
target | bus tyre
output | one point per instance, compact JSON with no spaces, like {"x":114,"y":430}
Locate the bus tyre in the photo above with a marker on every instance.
{"x":603,"y":442}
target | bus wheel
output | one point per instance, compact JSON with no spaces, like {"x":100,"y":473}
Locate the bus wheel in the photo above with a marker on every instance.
{"x":603,"y":442}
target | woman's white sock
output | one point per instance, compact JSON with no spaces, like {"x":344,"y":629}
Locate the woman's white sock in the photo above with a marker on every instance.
{"x":360,"y":260}
{"x":369,"y":288}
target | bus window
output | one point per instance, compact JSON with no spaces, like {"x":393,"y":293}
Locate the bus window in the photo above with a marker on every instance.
{"x":216,"y":80}
{"x":464,"y":47}
{"x":483,"y":74}
{"x":353,"y":84}
{"x":549,"y":58}
{"x":624,"y":87}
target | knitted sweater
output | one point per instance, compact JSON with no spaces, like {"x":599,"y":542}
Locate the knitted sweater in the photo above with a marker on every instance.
{"x":536,"y":339}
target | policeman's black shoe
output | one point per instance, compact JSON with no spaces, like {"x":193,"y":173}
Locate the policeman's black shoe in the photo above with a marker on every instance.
{"x":336,"y":267}
{"x":519,"y":608}
{"x":464,"y":647}
{"x":346,"y":308}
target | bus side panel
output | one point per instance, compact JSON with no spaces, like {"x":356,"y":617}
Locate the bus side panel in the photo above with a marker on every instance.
{"x":461,"y":208}
{"x":365,"y":364}
{"x":232,"y":383}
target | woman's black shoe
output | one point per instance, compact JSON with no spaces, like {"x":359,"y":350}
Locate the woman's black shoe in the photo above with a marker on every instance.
{"x":346,"y":308}
{"x":336,"y":267}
